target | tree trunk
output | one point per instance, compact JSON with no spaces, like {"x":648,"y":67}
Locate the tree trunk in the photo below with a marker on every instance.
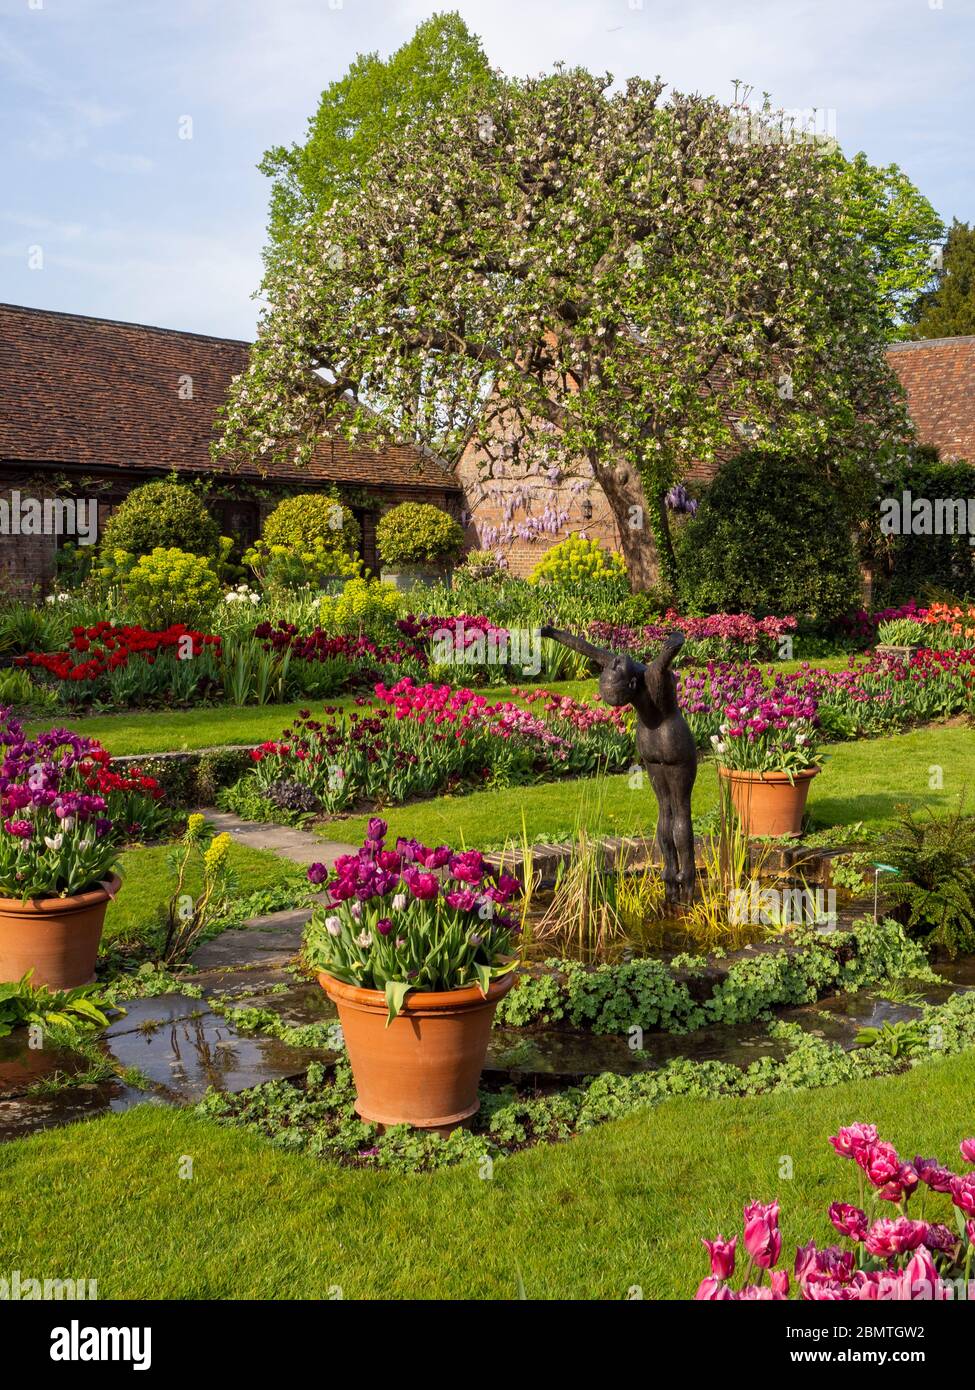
{"x":623,"y":489}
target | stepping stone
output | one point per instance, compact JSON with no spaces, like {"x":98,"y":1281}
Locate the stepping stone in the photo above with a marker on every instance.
{"x":28,"y":1114}
{"x":187,"y":1056}
{"x":142,"y":1015}
{"x":271,"y":940}
{"x":300,"y":846}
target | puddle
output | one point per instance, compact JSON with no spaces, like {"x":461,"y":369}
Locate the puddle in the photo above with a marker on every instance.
{"x":186,"y":1056}
{"x":22,"y":1065}
{"x":27,"y":1114}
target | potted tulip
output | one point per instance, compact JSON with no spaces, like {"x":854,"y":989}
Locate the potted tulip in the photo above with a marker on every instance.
{"x":767,"y":757}
{"x":414,"y":948}
{"x":58,"y":849}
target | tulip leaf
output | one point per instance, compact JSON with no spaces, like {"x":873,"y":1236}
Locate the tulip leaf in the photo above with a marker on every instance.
{"x":396,"y":991}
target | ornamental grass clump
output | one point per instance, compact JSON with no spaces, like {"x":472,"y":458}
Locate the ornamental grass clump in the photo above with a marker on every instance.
{"x":766,"y":734}
{"x":893,"y":1256}
{"x":412,"y":918}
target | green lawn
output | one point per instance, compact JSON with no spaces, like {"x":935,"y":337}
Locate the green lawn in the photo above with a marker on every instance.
{"x":147,"y":886}
{"x":625,"y":1205}
{"x":863,"y":781}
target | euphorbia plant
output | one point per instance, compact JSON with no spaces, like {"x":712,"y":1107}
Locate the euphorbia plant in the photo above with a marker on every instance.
{"x":768,"y":734}
{"x":892,"y":1257}
{"x":412,"y":918}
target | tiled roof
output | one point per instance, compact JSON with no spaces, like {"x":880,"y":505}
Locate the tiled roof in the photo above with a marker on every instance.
{"x":938,"y":375}
{"x":94,"y":392}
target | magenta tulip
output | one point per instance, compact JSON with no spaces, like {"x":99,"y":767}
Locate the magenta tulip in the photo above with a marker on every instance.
{"x":849,"y":1221}
{"x":722,"y":1254}
{"x":763,"y":1240}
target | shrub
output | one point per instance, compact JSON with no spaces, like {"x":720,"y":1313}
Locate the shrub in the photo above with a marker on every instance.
{"x":365,"y":607}
{"x":171,"y":586}
{"x":909,"y":565}
{"x":934,"y":890}
{"x":161,"y":515}
{"x":307,"y":539}
{"x":577,"y":559}
{"x":900,"y":632}
{"x":769,"y":536}
{"x":416,"y":533}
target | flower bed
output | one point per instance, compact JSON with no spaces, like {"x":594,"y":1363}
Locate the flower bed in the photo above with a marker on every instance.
{"x":129,"y":665}
{"x":892,"y":1258}
{"x":413,"y":740}
{"x":722,"y":636}
{"x":874,"y":695}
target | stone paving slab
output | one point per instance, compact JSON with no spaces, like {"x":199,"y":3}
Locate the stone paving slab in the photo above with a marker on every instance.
{"x":22,"y":1066}
{"x":271,"y":940}
{"x":300,"y":846}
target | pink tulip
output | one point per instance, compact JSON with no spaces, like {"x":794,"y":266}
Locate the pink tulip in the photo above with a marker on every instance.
{"x":849,"y":1221}
{"x":963,"y":1193}
{"x":850,"y":1140}
{"x":968,"y":1150}
{"x":763,"y":1240}
{"x":779,"y":1283}
{"x":711,"y":1290}
{"x":722,"y":1254}
{"x":887,"y":1238}
{"x":879,"y":1161}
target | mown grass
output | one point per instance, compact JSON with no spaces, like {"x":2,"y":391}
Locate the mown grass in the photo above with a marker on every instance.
{"x":625,"y":1205}
{"x":864,"y":781}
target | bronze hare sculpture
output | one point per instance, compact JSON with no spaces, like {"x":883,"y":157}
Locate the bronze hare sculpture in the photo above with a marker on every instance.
{"x":665,"y":745}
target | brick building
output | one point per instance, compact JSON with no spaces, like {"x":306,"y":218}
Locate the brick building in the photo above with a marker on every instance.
{"x":90,"y":408}
{"x":510,"y":503}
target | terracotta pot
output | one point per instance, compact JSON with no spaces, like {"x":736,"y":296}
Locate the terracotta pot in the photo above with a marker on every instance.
{"x":424,"y":1068}
{"x":56,"y":937}
{"x":767,"y":803}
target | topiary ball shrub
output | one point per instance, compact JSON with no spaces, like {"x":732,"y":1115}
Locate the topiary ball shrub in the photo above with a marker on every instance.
{"x":770,"y":535}
{"x":307,"y":540}
{"x":312,"y":518}
{"x":577,"y":559}
{"x":171,"y":586}
{"x":417,"y":533}
{"x":161,"y":515}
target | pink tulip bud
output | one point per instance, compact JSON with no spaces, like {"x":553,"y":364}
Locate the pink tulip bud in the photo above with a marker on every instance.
{"x":763,"y":1240}
{"x":722,"y":1254}
{"x":968,"y":1150}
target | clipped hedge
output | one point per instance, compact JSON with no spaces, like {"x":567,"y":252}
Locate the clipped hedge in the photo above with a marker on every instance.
{"x":770,"y":536}
{"x":417,"y":533}
{"x":161,"y":515}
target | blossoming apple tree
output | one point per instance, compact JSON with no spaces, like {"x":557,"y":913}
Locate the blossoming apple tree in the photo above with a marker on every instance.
{"x":586,"y":279}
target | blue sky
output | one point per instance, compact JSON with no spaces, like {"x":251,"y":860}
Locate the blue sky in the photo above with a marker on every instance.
{"x":123,"y":218}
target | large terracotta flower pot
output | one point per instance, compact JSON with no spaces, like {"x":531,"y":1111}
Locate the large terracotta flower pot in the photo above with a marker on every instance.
{"x":424,"y":1068}
{"x":57,"y":938}
{"x":767,"y":803}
